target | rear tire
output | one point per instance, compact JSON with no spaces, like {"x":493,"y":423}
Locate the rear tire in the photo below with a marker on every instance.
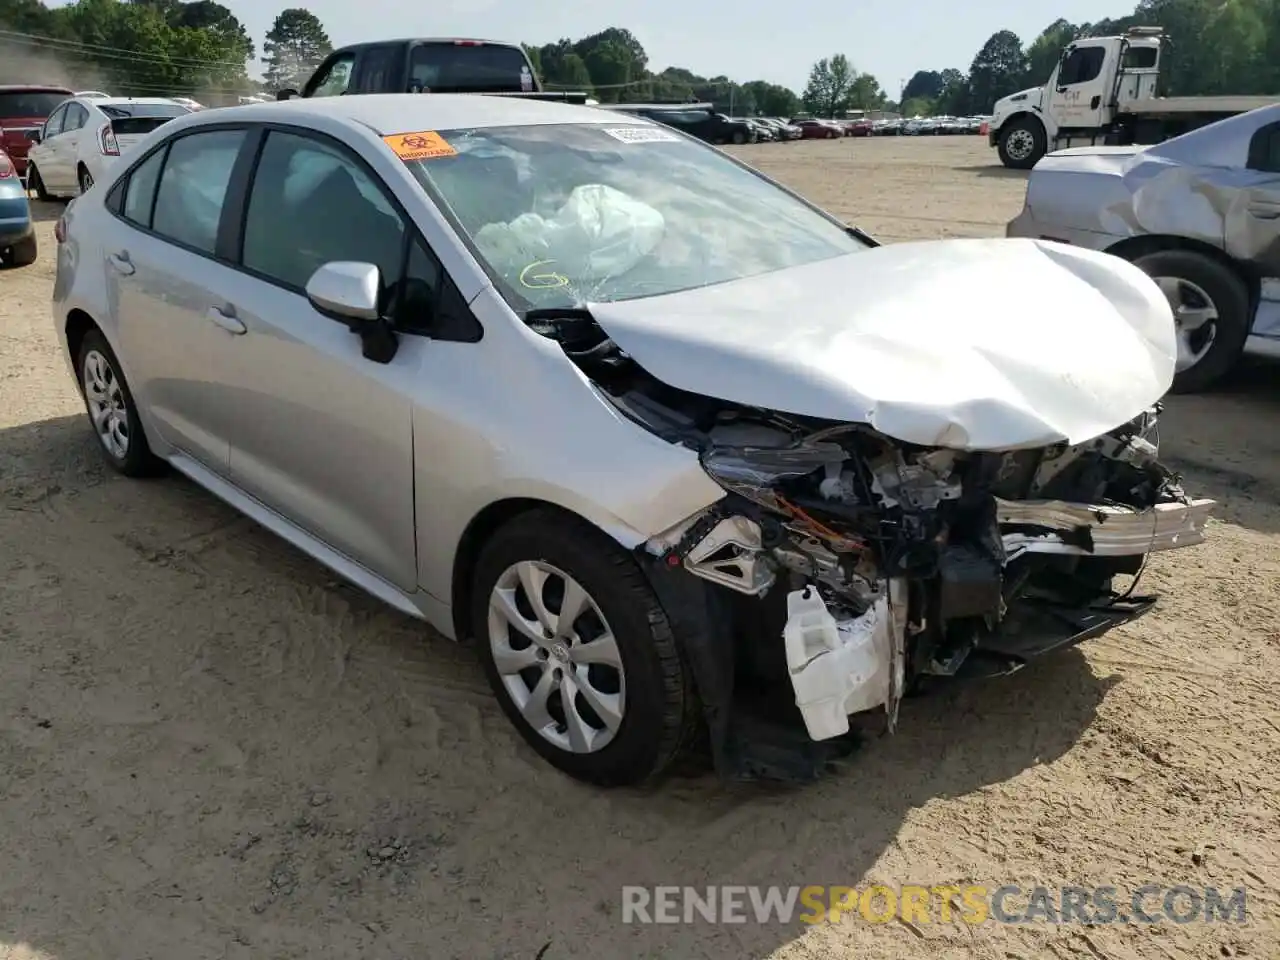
{"x":109,"y":402}
{"x":653,"y":689}
{"x":1021,"y":143}
{"x":36,"y":182}
{"x":1208,"y":279}
{"x":86,"y":180}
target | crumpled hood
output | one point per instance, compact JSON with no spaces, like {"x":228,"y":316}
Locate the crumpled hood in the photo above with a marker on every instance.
{"x":968,"y":344}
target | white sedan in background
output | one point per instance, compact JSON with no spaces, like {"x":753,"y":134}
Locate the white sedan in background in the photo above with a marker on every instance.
{"x":85,"y":135}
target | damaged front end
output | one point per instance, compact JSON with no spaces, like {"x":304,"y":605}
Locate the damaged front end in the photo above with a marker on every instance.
{"x":857,"y":566}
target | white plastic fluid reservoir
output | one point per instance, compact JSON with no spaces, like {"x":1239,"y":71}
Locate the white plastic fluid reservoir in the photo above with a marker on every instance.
{"x":837,"y":667}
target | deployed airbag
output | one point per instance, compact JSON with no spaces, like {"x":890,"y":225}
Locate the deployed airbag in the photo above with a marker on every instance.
{"x":598,"y":234}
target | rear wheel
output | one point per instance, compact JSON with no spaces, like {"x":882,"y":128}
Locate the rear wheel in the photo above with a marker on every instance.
{"x":739,"y":137}
{"x":579,"y":651}
{"x":36,"y":183}
{"x":86,"y":180}
{"x":1210,"y":306}
{"x":112,"y":410}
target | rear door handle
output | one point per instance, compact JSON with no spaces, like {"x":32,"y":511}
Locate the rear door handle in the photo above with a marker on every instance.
{"x":1265,"y":210}
{"x":121,"y":262}
{"x":227,"y":321}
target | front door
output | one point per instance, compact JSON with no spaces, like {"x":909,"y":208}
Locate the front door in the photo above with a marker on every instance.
{"x":1078,"y":87}
{"x":324,"y":437}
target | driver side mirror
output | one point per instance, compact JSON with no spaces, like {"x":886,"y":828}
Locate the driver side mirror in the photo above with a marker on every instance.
{"x":347,"y":291}
{"x":35,"y":136}
{"x":288,"y":93}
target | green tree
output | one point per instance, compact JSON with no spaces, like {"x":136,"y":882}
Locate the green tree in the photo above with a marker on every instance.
{"x":925,"y":84}
{"x":770,"y":99}
{"x":295,"y":45}
{"x":999,"y":69}
{"x":1046,"y":50}
{"x":830,"y":83}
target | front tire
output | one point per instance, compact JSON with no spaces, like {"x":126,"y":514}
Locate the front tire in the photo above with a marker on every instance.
{"x":1210,"y":304}
{"x":113,"y":414}
{"x":1021,"y":143}
{"x":600,"y":691}
{"x":739,"y":138}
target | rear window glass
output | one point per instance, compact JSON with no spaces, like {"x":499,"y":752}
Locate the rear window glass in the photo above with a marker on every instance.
{"x":1140,"y":58}
{"x":33,"y":104}
{"x":460,"y":68}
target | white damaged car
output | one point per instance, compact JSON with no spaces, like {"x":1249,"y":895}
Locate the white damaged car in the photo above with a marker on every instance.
{"x":594,"y":394}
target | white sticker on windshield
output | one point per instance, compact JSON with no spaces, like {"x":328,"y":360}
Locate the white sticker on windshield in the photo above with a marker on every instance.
{"x":642,"y":135}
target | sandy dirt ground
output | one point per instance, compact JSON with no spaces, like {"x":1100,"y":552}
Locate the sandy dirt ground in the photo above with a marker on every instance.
{"x":211,"y":749}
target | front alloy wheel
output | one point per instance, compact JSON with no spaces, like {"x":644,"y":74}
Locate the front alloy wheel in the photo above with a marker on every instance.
{"x":579,"y":650}
{"x":557,"y":657}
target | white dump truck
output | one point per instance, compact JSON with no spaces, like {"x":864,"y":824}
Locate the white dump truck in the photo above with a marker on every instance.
{"x":1103,"y":91}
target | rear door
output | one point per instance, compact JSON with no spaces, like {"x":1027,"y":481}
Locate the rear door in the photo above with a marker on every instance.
{"x":169,"y":289}
{"x":65,"y":150}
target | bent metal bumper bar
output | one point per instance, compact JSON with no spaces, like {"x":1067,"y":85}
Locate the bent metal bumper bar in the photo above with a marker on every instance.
{"x":1077,"y":529}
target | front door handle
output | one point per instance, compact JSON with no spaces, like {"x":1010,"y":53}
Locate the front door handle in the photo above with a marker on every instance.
{"x":121,"y":262}
{"x":227,"y":321}
{"x":1264,"y":210}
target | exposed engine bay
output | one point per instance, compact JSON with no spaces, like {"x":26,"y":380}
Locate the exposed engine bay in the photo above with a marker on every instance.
{"x":881,"y":564}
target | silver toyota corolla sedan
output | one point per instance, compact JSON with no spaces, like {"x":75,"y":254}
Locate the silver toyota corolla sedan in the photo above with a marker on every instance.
{"x":595,"y":395}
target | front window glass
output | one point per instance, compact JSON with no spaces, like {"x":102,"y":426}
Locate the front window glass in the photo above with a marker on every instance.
{"x":565,"y":214}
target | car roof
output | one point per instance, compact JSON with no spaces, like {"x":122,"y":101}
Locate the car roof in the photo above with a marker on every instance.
{"x":392,"y":113}
{"x":33,"y":88}
{"x":378,"y":43}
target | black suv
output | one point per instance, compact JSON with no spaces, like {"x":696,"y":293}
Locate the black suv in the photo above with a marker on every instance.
{"x":428,"y":65}
{"x":700,"y":123}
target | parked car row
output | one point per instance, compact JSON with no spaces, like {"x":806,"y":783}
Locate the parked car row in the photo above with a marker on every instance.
{"x":928,"y":126}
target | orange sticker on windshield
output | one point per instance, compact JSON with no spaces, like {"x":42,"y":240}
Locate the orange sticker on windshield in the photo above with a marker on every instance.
{"x":425,"y":145}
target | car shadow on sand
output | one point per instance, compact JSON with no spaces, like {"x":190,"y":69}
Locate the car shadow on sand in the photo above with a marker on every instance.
{"x":996,"y":171}
{"x":1226,"y":444}
{"x":45,"y":211}
{"x":438,"y":831}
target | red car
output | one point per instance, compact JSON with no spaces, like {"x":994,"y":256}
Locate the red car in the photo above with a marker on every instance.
{"x":23,"y":108}
{"x":818,"y":129}
{"x":857,"y":128}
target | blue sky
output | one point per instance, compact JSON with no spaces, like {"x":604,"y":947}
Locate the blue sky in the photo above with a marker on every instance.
{"x":888,"y":38}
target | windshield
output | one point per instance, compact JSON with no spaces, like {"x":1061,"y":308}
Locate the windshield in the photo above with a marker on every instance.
{"x":30,"y":104}
{"x":469,"y":68}
{"x":566,"y":214}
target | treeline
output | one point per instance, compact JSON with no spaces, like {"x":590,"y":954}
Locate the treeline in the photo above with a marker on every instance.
{"x":1217,"y":47}
{"x":614,"y":67}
